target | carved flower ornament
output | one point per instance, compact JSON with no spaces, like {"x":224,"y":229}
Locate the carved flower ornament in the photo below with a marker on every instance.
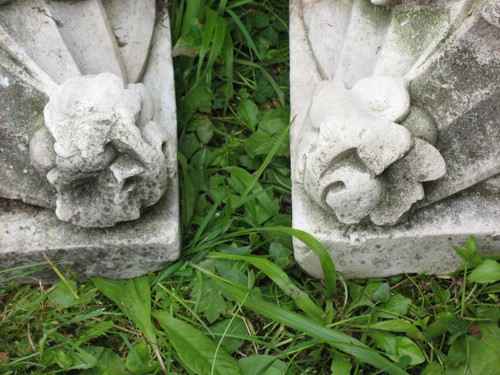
{"x":358,"y":161}
{"x":101,"y":150}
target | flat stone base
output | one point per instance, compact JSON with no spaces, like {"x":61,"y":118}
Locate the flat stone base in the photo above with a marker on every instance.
{"x":422,"y":244}
{"x":124,"y":251}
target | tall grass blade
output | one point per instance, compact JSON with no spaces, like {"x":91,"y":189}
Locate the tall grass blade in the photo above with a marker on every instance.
{"x":206,"y":221}
{"x":325,"y":260}
{"x":192,"y":12}
{"x":265,"y":164}
{"x":245,"y":33}
{"x":338,"y":340}
{"x":222,"y":7}
{"x":188,"y":193}
{"x":176,"y":19}
{"x":195,"y":349}
{"x":281,"y":279}
{"x":133,"y":297}
{"x":250,"y":181}
{"x":208,"y":32}
{"x":61,"y":276}
{"x":279,"y":92}
{"x":218,"y":43}
{"x":228,"y":62}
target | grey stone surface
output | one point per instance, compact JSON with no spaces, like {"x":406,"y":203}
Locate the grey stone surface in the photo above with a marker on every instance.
{"x":24,"y":89}
{"x":126,"y":250}
{"x":426,"y":180}
{"x":422,"y":244}
{"x":490,"y":11}
{"x":459,"y":86}
{"x":117,"y":142}
{"x":132,"y":23}
{"x":87,"y":33}
{"x":31,"y":25}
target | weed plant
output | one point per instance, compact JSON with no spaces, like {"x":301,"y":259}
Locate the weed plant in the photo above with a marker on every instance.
{"x":236,"y":302}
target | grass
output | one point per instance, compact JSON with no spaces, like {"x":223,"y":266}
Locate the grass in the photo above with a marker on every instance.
{"x":236,"y":301}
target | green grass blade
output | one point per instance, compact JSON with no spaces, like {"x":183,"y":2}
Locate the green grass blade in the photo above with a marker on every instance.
{"x":279,"y":92}
{"x":195,"y":349}
{"x":325,"y":260}
{"x":61,"y":276}
{"x":264,"y":164}
{"x":245,"y":33}
{"x":228,"y":63}
{"x":35,"y":267}
{"x":192,"y":12}
{"x":218,"y":43}
{"x":166,"y":273}
{"x":133,"y":297}
{"x":188,"y":193}
{"x":208,"y":32}
{"x":281,"y":279}
{"x":176,"y":19}
{"x":222,"y":7}
{"x":44,"y":264}
{"x":255,"y":195}
{"x":338,"y":340}
{"x":205,"y":222}
{"x":235,"y":4}
{"x":250,"y":181}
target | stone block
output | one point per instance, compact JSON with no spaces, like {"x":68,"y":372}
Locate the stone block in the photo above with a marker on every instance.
{"x":92,"y":148}
{"x":395,"y":144}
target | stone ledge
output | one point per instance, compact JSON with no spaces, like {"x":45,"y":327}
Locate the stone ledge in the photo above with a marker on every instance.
{"x":424,"y":244}
{"x":124,"y":251}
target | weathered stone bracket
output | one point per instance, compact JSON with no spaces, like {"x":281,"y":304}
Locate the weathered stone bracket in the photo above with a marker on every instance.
{"x":101,"y":150}
{"x":395,"y":144}
{"x":358,"y":161}
{"x":88,"y":134}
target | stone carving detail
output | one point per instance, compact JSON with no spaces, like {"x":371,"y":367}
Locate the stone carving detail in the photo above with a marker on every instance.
{"x":490,"y":10}
{"x":103,"y":149}
{"x":100,"y":150}
{"x":88,"y":134}
{"x":395,"y":142}
{"x":358,"y":161}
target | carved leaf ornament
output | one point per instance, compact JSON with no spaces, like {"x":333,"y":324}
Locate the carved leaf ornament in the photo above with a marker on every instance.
{"x":359,"y":162}
{"x":392,"y":100}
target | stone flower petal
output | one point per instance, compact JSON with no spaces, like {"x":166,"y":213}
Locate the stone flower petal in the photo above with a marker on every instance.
{"x":385,"y":97}
{"x":422,"y":163}
{"x":352,"y":192}
{"x":358,"y":161}
{"x":383,"y":144}
{"x":42,"y":150}
{"x":346,"y":120}
{"x":400,"y":196}
{"x":330,"y":98}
